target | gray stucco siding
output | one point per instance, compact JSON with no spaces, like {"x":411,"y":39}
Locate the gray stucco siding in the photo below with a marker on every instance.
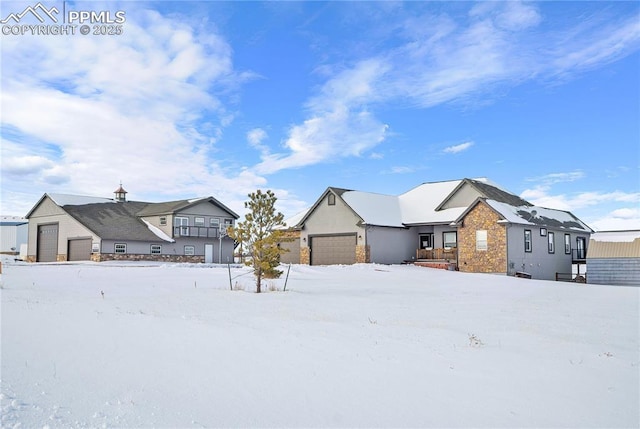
{"x":391,"y":245}
{"x":539,"y":262}
{"x":463,"y":197}
{"x":335,"y":219}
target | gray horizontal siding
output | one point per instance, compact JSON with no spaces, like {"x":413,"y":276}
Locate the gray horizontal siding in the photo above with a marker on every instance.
{"x":610,"y":271}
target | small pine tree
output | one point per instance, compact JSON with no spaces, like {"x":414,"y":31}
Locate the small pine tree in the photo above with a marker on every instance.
{"x":257,"y":234}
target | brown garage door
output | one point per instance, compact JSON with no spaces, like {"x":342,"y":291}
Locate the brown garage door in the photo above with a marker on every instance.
{"x":79,"y":249}
{"x":47,"y":243}
{"x":333,"y":249}
{"x":293,"y":255}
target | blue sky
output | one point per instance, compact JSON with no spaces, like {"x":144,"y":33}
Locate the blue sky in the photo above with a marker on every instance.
{"x":223,"y":98}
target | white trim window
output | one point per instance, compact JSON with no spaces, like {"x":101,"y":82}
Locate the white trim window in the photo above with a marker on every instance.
{"x":552,"y":243}
{"x":120,"y":248}
{"x":567,"y":244}
{"x":481,"y":239}
{"x":163,"y":220}
{"x":214,"y":222}
{"x":198,"y":221}
{"x":528,"y":247}
{"x":181,"y":224}
{"x":156,"y":249}
{"x":189,"y":250}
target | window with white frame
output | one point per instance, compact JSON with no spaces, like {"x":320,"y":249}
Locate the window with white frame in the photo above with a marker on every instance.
{"x":181,"y":226}
{"x":121,"y":248}
{"x":567,"y":244}
{"x":198,"y":221}
{"x":214,"y":222}
{"x":481,"y":240}
{"x":189,"y":250}
{"x":163,"y":220}
{"x":156,"y":249}
{"x":449,"y":239}
{"x":228,"y":222}
{"x":528,"y":247}
{"x":552,"y":244}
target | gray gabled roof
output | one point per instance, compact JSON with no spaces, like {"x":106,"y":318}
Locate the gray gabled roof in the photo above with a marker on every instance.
{"x":532,"y":215}
{"x":112,"y":221}
{"x":489,"y":191}
{"x":170,"y":207}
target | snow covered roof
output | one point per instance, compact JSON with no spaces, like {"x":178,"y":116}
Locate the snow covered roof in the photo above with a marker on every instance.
{"x":293,"y":221}
{"x":158,"y":232}
{"x":418,"y":206}
{"x":616,"y":236}
{"x":77,"y":200}
{"x":540,"y":216}
{"x":375,"y":209}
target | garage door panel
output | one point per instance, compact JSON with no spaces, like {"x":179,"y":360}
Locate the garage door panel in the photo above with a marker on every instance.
{"x":47,"y":243}
{"x":79,"y":250}
{"x":334,"y":249}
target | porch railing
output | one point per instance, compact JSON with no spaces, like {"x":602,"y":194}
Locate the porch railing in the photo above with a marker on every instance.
{"x":579,"y":254}
{"x":449,"y":254}
{"x":195,"y":231}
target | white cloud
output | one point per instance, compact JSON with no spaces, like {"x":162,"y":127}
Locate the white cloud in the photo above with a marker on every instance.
{"x":552,"y":178}
{"x":442,"y":60}
{"x":255,"y":137}
{"x":589,"y":206}
{"x":339,"y":124}
{"x":458,"y":148}
{"x":619,"y":219}
{"x":400,"y":169}
{"x":136,"y":107}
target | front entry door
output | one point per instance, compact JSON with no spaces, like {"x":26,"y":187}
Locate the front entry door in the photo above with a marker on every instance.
{"x":426,"y":241}
{"x":208,"y":253}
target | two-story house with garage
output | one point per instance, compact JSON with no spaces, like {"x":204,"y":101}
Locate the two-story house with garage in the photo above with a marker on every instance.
{"x":75,"y":228}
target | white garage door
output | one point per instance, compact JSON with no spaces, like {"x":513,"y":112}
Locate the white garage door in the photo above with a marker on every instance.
{"x":333,"y":249}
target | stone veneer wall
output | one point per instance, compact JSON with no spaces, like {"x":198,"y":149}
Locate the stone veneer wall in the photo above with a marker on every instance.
{"x":363,"y":254}
{"x":100,"y":257}
{"x":305,"y":255}
{"x":492,"y":260}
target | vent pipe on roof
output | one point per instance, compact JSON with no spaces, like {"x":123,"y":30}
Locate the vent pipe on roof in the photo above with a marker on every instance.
{"x":121,"y":194}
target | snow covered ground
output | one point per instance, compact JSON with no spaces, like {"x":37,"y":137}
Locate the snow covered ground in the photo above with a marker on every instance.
{"x":345,"y":346}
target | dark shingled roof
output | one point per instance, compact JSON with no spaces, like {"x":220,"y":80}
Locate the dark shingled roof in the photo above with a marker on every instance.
{"x":494,"y":193}
{"x":111,"y":221}
{"x":168,"y":207}
{"x":155,"y":209}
